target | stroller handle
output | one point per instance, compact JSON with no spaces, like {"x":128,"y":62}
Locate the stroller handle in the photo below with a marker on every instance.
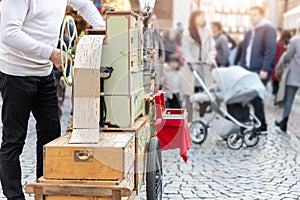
{"x":201,"y":81}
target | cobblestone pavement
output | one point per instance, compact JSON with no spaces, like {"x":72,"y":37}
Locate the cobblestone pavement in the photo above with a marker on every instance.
{"x":271,"y":170}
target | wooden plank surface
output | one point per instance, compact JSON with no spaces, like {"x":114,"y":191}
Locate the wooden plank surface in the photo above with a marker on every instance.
{"x":61,"y":197}
{"x":78,"y":181}
{"x":74,"y":189}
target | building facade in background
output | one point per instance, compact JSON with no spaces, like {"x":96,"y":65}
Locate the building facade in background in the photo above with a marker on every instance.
{"x":170,"y":12}
{"x":289,"y":12}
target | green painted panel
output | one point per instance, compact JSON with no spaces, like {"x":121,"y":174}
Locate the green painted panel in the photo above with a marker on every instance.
{"x":122,"y":52}
{"x":123,"y":110}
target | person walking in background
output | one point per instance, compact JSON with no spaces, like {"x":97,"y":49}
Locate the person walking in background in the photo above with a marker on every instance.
{"x":279,"y":32}
{"x":238,"y":56}
{"x":258,"y":55}
{"x":157,"y":44}
{"x":178,"y":47}
{"x":171,"y":81}
{"x":179,"y":27}
{"x":169,"y":40}
{"x":292,"y":57}
{"x":281,"y":45}
{"x":222,"y":47}
{"x":197,"y":45}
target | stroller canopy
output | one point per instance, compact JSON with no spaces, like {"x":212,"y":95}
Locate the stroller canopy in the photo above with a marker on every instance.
{"x":238,"y":84}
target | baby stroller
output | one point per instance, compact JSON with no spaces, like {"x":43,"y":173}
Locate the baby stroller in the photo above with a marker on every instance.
{"x":235,"y":87}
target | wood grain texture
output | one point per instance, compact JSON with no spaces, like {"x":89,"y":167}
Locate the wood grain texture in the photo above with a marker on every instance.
{"x":110,"y":159}
{"x":78,"y":190}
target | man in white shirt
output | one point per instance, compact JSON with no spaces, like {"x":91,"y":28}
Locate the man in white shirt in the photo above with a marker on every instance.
{"x":29,"y":35}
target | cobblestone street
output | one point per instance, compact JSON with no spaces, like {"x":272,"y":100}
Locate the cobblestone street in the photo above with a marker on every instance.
{"x":271,"y":170}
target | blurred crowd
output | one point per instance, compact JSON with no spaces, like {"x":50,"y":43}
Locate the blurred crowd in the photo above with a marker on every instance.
{"x":272,"y":53}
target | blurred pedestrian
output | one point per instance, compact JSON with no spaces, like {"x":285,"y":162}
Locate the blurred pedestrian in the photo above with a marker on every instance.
{"x":171,"y":81}
{"x":292,"y":57}
{"x":29,"y":33}
{"x":258,"y":55}
{"x":198,"y":45}
{"x":238,"y":56}
{"x":279,"y":32}
{"x":169,"y":40}
{"x":281,"y":45}
{"x":221,"y":45}
{"x":151,"y":20}
{"x":179,"y":27}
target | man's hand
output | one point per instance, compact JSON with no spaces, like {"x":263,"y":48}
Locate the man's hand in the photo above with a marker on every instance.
{"x":55,"y":58}
{"x":263,"y":75}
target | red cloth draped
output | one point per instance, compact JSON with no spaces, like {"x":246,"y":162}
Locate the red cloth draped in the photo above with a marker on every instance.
{"x":172,"y":133}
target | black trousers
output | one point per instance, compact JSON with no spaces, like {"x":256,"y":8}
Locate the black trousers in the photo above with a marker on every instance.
{"x":259,"y":110}
{"x":20,"y":96}
{"x":175,"y":102}
{"x":258,"y":105}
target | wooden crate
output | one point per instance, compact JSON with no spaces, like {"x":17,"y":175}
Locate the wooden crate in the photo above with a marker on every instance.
{"x":142,"y":130}
{"x":67,"y":191}
{"x":61,"y":189}
{"x":65,"y":197}
{"x":110,"y":159}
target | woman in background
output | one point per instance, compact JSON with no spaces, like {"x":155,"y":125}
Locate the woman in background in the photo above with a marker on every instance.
{"x":197,"y":45}
{"x":280,"y":49}
{"x":292,"y":57}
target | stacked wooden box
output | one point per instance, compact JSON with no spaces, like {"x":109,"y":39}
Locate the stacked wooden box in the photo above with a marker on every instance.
{"x":124,"y":92}
{"x":88,"y":171}
{"x":110,"y":159}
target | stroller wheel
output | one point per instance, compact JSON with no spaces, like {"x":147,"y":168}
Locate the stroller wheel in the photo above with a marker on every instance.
{"x":234,"y":141}
{"x":198,"y":132}
{"x":250,"y":138}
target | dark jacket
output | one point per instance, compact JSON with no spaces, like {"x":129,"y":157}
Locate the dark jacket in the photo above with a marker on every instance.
{"x":263,"y":50}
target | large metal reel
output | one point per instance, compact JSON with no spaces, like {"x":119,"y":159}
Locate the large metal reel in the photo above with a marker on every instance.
{"x":67,"y":51}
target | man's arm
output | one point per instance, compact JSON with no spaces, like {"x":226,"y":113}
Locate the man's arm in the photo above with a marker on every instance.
{"x":13,"y":14}
{"x":89,"y":12}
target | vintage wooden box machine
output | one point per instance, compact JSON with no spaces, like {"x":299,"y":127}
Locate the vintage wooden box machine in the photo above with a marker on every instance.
{"x":123,"y":51}
{"x":111,"y":163}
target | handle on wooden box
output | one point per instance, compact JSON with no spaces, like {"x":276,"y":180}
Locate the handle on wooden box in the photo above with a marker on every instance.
{"x":83,"y":156}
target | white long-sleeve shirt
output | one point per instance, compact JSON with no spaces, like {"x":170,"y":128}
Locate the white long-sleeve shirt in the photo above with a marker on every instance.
{"x":30,"y":31}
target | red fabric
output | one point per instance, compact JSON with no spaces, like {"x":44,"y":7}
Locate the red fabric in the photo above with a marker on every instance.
{"x":160,"y":104}
{"x":172,"y":133}
{"x":280,"y":49}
